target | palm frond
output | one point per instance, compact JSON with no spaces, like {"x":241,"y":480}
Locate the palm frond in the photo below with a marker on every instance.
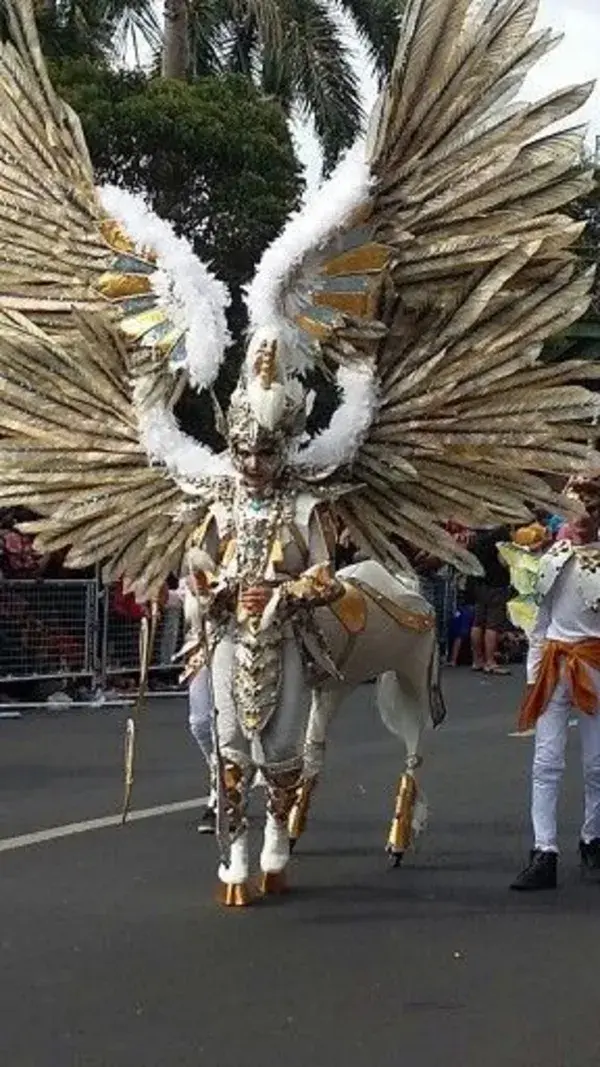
{"x":378,"y":24}
{"x":325,"y":84}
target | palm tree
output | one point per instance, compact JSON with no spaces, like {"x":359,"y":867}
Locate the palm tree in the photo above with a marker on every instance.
{"x":176,"y":40}
{"x":293,"y":49}
{"x":98,"y":29}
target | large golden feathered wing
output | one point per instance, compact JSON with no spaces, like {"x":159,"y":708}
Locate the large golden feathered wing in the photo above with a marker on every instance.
{"x":76,"y":450}
{"x":104,"y":313}
{"x":431,"y":268}
{"x":66,"y":245}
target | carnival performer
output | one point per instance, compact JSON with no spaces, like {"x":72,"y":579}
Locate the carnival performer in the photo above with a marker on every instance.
{"x":563,"y":675}
{"x":424,"y":277}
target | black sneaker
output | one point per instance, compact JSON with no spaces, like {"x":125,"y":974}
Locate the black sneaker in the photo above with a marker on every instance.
{"x":540,"y":874}
{"x":590,"y":859}
{"x":208,"y":822}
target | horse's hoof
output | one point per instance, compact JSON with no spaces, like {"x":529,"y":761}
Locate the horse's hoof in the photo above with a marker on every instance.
{"x":395,"y":860}
{"x":293,"y":843}
{"x":273,"y":883}
{"x":237,"y":895}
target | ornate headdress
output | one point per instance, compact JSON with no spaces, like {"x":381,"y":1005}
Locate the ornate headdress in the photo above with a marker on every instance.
{"x":266,"y":408}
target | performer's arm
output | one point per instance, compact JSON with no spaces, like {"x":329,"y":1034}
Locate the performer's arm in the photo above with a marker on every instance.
{"x":204,"y":579}
{"x":537,"y":638}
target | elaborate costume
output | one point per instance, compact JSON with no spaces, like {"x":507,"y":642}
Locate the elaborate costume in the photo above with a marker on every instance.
{"x":563,"y":674}
{"x":523,"y":556}
{"x":426,"y":273}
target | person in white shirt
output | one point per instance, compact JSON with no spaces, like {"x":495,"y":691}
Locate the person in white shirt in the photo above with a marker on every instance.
{"x":563,"y":674}
{"x":200,"y":721}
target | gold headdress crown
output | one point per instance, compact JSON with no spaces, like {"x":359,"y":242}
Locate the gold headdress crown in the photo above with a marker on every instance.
{"x":265,"y":409}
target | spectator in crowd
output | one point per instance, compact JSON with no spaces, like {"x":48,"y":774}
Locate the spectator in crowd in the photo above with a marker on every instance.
{"x":18,"y":558}
{"x":461,"y":626}
{"x":490,"y":597}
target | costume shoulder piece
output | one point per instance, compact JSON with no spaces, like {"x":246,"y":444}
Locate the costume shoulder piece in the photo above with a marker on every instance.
{"x":587,"y":563}
{"x":551,"y":565}
{"x":588,"y":575}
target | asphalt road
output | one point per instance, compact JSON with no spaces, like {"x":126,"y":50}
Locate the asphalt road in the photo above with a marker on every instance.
{"x":113,"y":954}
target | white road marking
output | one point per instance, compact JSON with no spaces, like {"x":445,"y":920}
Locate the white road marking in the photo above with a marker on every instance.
{"x":39,"y":837}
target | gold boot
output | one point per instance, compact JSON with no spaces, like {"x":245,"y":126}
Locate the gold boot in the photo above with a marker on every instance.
{"x":238,"y":895}
{"x":400,"y":835}
{"x":273,"y":883}
{"x":298,"y":816}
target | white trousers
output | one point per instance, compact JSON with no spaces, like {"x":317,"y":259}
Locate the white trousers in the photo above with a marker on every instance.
{"x":279,"y":746}
{"x":200,"y":715}
{"x":549,"y":764}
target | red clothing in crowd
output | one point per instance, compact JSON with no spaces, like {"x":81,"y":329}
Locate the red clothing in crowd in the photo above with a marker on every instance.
{"x":125,"y":604}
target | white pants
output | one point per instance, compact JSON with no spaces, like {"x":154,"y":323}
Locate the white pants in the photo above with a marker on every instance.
{"x":280,"y":744}
{"x":549,"y":764}
{"x":200,"y":717}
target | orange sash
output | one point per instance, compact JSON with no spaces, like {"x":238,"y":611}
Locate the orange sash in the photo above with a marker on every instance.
{"x":577,"y":658}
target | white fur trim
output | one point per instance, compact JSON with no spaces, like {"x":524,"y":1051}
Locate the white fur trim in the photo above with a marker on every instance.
{"x":166,"y":444}
{"x":339,"y":443}
{"x":194,"y":298}
{"x":292,"y":259}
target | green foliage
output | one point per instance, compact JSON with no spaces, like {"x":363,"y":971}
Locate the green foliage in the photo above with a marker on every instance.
{"x":213,"y":157}
{"x":95,"y":28}
{"x":296,"y":51}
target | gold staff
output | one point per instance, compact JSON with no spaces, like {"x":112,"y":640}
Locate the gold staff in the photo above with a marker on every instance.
{"x":147,"y":640}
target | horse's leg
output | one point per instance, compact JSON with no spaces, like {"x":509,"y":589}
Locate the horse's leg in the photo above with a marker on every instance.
{"x":234,"y":768}
{"x":234,"y":890}
{"x":410,"y":719}
{"x":324,"y":705}
{"x":282,"y":788}
{"x":282,"y":743}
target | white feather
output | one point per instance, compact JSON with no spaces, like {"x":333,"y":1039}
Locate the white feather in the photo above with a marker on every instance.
{"x":167,"y":445}
{"x":282,"y":280}
{"x":338,"y":444}
{"x":195,"y":299}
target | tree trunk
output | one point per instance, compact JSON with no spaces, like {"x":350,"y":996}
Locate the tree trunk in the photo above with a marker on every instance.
{"x":176,"y":47}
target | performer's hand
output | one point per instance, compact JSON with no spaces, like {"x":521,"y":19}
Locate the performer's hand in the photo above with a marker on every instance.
{"x":255,"y":599}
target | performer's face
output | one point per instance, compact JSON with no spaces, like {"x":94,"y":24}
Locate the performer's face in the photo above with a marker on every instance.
{"x":258,"y":468}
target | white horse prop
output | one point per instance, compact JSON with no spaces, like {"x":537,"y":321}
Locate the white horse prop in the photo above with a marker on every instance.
{"x":389,"y":635}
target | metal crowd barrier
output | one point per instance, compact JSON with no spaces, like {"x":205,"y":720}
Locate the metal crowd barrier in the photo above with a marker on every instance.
{"x":119,"y":654}
{"x":47,"y":629}
{"x":71,"y":630}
